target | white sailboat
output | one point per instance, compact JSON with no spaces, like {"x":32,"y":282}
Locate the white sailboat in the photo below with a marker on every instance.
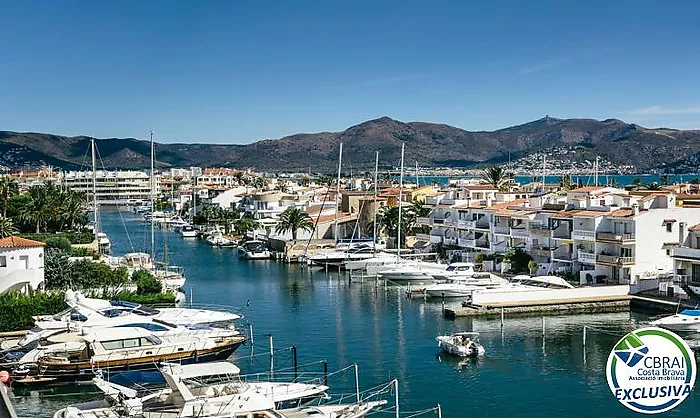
{"x":103,"y":242}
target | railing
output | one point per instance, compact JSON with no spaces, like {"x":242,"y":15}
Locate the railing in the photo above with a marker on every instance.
{"x":500,"y":248}
{"x":466,"y":242}
{"x":503,"y":230}
{"x":482,"y":225}
{"x":482,"y":244}
{"x":610,"y":236}
{"x":563,"y":256}
{"x":435,"y":239}
{"x":462,"y":223}
{"x":564,"y":233}
{"x":423,"y":221}
{"x":540,"y":229}
{"x":614,"y":259}
{"x":586,"y":257}
{"x":450,"y":241}
{"x":541,"y":251}
{"x":519,"y":232}
{"x":423,"y":237}
{"x":583,"y":235}
{"x":686,"y":252}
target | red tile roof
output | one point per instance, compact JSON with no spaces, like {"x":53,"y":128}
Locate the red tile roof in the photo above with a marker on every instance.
{"x":587,"y":189}
{"x":18,"y":242}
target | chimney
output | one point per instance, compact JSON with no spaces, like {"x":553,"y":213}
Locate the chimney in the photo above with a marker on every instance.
{"x":635,"y":208}
{"x":681,"y":232}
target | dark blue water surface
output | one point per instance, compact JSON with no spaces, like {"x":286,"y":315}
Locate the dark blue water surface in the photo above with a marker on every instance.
{"x":389,"y":336}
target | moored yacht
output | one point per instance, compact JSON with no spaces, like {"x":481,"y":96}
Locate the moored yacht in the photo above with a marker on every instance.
{"x":413,"y":272}
{"x":217,"y":239}
{"x":456,"y":270}
{"x":254,"y":250}
{"x":189,"y":231}
{"x":341,"y":257}
{"x":73,"y":357}
{"x":687,"y":320}
{"x":464,"y":286}
{"x":463,"y":344}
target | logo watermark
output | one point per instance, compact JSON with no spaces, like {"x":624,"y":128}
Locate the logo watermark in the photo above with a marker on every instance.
{"x":651,"y":370}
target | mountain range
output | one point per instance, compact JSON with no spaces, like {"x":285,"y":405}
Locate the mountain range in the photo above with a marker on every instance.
{"x":429,"y":144}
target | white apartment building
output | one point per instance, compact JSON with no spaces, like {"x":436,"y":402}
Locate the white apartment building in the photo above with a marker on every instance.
{"x":603,"y":234}
{"x":113,"y":187}
{"x":21,"y":264}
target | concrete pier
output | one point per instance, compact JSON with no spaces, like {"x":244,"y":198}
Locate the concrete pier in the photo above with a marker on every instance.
{"x":597,"y":304}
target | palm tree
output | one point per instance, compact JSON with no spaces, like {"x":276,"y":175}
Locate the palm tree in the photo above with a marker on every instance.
{"x":653,"y":186}
{"x":239,"y":175}
{"x":282,"y":187}
{"x":7,"y":228}
{"x":665,"y":179}
{"x":8,"y":188}
{"x":388,"y":220}
{"x":417,"y":210}
{"x":497,"y":176}
{"x":259,"y":183}
{"x":565,"y":183}
{"x":39,"y":209}
{"x":71,"y":211}
{"x":292,"y":220}
{"x":245,"y":224}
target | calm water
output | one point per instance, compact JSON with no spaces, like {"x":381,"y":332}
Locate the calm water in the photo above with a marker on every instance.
{"x":586,"y":180}
{"x":392,"y":337}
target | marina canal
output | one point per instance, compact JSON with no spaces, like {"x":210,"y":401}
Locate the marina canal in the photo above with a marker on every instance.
{"x":325,"y":316}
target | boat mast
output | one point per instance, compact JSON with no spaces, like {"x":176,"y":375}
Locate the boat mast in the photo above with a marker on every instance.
{"x":337,"y":193}
{"x":417,"y":185}
{"x":376,"y":169}
{"x":153,"y":205}
{"x":94,"y":190}
{"x":398,"y":232}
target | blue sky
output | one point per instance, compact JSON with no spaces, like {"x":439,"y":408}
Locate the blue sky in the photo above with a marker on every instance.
{"x":239,"y":71}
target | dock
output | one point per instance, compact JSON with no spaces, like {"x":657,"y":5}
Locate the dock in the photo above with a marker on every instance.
{"x":556,"y":306}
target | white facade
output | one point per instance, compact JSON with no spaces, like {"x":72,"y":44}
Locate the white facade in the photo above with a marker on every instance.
{"x":21,"y":265}
{"x":113,"y":187}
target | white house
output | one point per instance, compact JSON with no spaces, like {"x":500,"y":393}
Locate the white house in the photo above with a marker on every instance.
{"x":21,"y":264}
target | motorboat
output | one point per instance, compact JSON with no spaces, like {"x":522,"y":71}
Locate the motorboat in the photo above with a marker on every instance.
{"x":156,"y":217}
{"x":12,"y":351}
{"x":85,"y":313}
{"x":464,"y":286}
{"x":687,"y":320}
{"x":456,"y":270}
{"x":463,"y":344}
{"x":74,"y":357}
{"x":522,"y":288}
{"x":173,"y":277}
{"x":189,"y":231}
{"x":340,"y":257}
{"x":103,"y":241}
{"x":142,"y":208}
{"x":379,"y":259}
{"x":218,"y":239}
{"x":254,"y":250}
{"x":207,"y":380}
{"x":176,"y":222}
{"x":415,"y":272}
{"x":187,"y":398}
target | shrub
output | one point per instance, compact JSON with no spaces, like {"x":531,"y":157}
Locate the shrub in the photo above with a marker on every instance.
{"x":479,"y":258}
{"x":518,"y":259}
{"x":58,"y":242}
{"x":532,"y":266}
{"x":146,"y":284}
{"x":86,"y":274}
{"x":79,"y":252}
{"x":149,"y":299}
{"x":19,"y":309}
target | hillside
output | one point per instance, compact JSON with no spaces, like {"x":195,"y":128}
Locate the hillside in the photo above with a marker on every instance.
{"x":428,"y":143}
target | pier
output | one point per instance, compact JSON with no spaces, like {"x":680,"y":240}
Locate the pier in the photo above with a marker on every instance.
{"x":597,"y":304}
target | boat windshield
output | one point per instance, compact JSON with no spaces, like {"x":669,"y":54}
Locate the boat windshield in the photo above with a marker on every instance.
{"x":71,"y":314}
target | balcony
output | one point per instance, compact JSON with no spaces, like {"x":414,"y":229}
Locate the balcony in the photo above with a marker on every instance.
{"x":465,"y":224}
{"x":540,"y":229}
{"x":482,"y":244}
{"x":583,"y":235}
{"x":614,"y":237}
{"x":562,"y":256}
{"x":586,"y":257}
{"x":614,"y":260}
{"x":423,"y":237}
{"x":466,"y":242}
{"x":561,"y":233}
{"x":499,"y":248}
{"x":501,"y":230}
{"x":519,"y":232}
{"x":482,"y":225}
{"x":435,"y":239}
{"x":684,"y":252}
{"x":450,"y":241}
{"x":541,"y":251}
{"x":423,"y":221}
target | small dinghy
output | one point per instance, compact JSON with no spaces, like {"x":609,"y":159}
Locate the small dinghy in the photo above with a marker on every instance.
{"x":463,"y":344}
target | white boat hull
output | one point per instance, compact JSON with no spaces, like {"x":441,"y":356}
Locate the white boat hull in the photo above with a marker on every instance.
{"x":471,"y":350}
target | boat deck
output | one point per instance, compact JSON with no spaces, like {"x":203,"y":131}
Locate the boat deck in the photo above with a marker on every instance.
{"x":584,"y":304}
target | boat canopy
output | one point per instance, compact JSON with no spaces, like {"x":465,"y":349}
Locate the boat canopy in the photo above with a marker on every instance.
{"x":691,"y":312}
{"x":191,"y":371}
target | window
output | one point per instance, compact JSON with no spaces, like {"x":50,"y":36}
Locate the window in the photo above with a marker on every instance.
{"x":695,"y":278}
{"x":669,"y":227}
{"x":24,"y":262}
{"x":3,"y":261}
{"x":131,"y":343}
{"x":112,"y":345}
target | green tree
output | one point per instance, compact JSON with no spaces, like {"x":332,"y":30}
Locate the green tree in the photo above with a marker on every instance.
{"x":565,"y":183}
{"x":532,"y":266}
{"x":260,"y":183}
{"x":39,"y":208}
{"x":518,"y":259}
{"x":57,"y":270}
{"x":60,"y":243}
{"x":653,"y":186}
{"x":8,"y":189}
{"x":282,"y":187}
{"x":665,"y":179}
{"x":497,"y":176}
{"x":292,"y":220}
{"x":388,"y":222}
{"x":7,"y":228}
{"x":146,"y":284}
{"x":239,"y":176}
{"x":695,"y":181}
{"x":244,"y":224}
{"x":86,"y":274}
{"x":637,"y":182}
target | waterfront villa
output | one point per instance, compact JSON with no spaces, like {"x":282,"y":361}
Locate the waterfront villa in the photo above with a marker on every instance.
{"x":118,"y":187}
{"x":21,"y":264}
